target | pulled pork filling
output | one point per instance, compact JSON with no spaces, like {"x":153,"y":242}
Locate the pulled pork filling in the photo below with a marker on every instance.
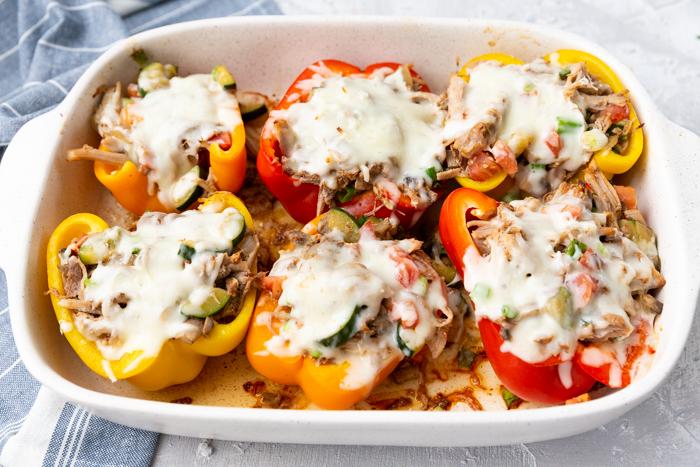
{"x":556,"y":272}
{"x":539,"y":122}
{"x":167,"y":133}
{"x":363,"y":134}
{"x":365,"y":303}
{"x":175,"y":276}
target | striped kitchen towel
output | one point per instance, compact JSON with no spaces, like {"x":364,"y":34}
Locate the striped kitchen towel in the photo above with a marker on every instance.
{"x":45,"y":46}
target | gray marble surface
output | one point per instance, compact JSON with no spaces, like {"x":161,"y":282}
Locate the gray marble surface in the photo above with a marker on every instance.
{"x":658,"y":40}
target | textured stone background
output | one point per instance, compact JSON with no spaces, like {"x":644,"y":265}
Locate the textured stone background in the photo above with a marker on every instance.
{"x":658,"y":40}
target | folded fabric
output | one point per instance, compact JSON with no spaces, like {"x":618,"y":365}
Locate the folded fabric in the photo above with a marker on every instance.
{"x":45,"y":46}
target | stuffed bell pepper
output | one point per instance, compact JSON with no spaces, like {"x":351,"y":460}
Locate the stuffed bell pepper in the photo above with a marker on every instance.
{"x":150,"y":305}
{"x":341,"y":308}
{"x":538,"y":123}
{"x":367,"y":141}
{"x":170,"y":140}
{"x":561,"y":287}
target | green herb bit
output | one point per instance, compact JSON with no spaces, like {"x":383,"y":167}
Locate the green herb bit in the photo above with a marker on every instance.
{"x":432,"y":173}
{"x":346,"y":194}
{"x":480,"y":292}
{"x":88,"y":281}
{"x":135,"y":251}
{"x":465,"y":358}
{"x":574,"y":245}
{"x":616,"y":150}
{"x":623,"y":138}
{"x":509,"y":398}
{"x":566,"y":126}
{"x":186,"y":251}
{"x":509,"y":312}
{"x":139,"y":56}
{"x":538,"y":166}
{"x":564,"y":73}
{"x":594,"y":209}
{"x":315,"y":353}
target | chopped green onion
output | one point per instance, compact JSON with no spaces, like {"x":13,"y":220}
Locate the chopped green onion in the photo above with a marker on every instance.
{"x":602,"y":250}
{"x":126,"y":101}
{"x":480,"y":292}
{"x":186,"y":251}
{"x":529,"y":87}
{"x":465,"y":358}
{"x":594,"y":209}
{"x":574,"y":245}
{"x":509,"y":312}
{"x":511,"y":197}
{"x":623,"y":138}
{"x":593,"y":140}
{"x":346,"y":194}
{"x":538,"y":166}
{"x":88,"y":281}
{"x":566,"y":126}
{"x":139,"y":56}
{"x":315,"y":353}
{"x":616,"y":150}
{"x":564,"y":73}
{"x":509,"y":398}
{"x":432,"y":173}
{"x":135,"y":251}
{"x":362,"y":220}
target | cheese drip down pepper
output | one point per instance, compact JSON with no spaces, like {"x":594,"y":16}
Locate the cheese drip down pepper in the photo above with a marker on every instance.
{"x":336,"y":318}
{"x":163,"y":148}
{"x":370,"y":139}
{"x":175,"y":362}
{"x":531,"y":121}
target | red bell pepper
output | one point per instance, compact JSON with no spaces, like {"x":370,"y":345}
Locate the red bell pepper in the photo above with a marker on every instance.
{"x":301,"y":199}
{"x":537,"y":383}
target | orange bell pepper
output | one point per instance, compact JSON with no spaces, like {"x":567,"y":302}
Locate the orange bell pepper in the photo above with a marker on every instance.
{"x":176,"y":362}
{"x":322,"y":383}
{"x":130,"y":187}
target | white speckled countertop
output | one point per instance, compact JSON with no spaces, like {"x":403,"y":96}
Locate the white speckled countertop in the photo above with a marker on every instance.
{"x":658,"y":40}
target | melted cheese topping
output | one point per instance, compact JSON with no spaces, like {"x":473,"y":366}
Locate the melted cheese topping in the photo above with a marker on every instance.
{"x":170,"y":125}
{"x":145,"y":267}
{"x":530,"y":99}
{"x":350,"y":124}
{"x":544,"y":287}
{"x":327,"y":281}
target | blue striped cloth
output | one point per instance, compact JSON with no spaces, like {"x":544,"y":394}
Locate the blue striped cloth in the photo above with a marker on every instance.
{"x":45,"y":46}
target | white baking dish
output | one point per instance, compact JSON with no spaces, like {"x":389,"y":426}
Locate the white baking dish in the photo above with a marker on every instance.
{"x":39,"y":189}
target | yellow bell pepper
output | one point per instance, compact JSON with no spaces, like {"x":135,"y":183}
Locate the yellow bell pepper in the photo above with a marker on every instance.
{"x":130,"y":187}
{"x":176,"y":362}
{"x":608,"y":161}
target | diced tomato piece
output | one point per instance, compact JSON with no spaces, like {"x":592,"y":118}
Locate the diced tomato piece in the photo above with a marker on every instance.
{"x":627,"y":195}
{"x":554,"y":143}
{"x":582,"y":288}
{"x":367,"y":232}
{"x":617,"y":112}
{"x":404,"y":311}
{"x":590,"y":260}
{"x":482,"y":167}
{"x":573,"y":210}
{"x":224,"y":140}
{"x":274,"y":285}
{"x":132,"y":90}
{"x":505,"y":157}
{"x":407,"y":273}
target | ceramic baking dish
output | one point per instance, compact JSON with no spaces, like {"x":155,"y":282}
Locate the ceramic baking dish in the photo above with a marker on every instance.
{"x":39,"y":189}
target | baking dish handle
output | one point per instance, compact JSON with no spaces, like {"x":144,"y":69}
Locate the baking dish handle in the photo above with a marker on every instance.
{"x":22,"y":175}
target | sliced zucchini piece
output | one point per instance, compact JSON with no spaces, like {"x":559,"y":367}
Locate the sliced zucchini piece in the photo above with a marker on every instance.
{"x":186,"y":251}
{"x":346,"y":331}
{"x":342,"y":220}
{"x":561,"y":307}
{"x":170,"y":70}
{"x":186,"y":191}
{"x":224,"y":78}
{"x":403,"y":346}
{"x":239,"y":237}
{"x":212,"y":305}
{"x":152,"y":77}
{"x":95,"y":249}
{"x":252,"y":105}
